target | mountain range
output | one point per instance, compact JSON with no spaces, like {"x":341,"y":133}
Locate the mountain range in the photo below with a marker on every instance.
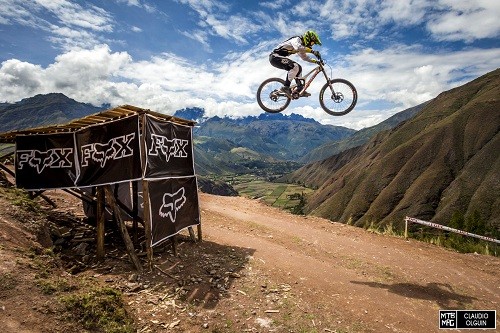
{"x":42,"y":110}
{"x":276,"y":142}
{"x":429,"y":162}
{"x":444,"y":160}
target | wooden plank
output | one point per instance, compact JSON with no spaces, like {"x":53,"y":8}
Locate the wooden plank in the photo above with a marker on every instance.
{"x":110,"y":198}
{"x":145,"y":200}
{"x":135,"y":210}
{"x":100,"y":223}
{"x":174,"y":244}
{"x":191,"y":234}
{"x":200,"y":236}
{"x":147,"y":223}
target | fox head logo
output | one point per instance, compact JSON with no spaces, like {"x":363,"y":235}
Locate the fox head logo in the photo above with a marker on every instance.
{"x":172,"y":202}
{"x":103,"y":152}
{"x":40,"y":160}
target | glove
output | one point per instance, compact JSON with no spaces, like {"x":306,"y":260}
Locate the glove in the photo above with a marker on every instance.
{"x":316,"y":53}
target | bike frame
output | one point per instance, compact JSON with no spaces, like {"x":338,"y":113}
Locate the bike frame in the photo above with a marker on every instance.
{"x":315,"y":71}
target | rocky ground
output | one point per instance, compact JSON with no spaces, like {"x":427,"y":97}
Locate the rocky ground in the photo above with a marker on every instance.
{"x":258,"y":269}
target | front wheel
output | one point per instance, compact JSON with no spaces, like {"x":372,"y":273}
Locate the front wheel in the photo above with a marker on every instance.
{"x":270,"y":97}
{"x":338,"y":97}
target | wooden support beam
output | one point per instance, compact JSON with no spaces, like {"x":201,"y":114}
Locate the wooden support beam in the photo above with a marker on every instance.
{"x":4,"y":168}
{"x":100,"y":223}
{"x":135,"y":210}
{"x":147,"y":223}
{"x":34,"y":194}
{"x":110,"y":198}
{"x":191,"y":234}
{"x":174,"y":244}
{"x":199,"y":233}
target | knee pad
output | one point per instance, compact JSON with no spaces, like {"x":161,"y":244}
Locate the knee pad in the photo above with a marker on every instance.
{"x":292,"y":73}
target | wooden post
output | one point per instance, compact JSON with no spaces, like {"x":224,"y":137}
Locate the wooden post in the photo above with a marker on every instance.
{"x":191,"y":234}
{"x":100,"y":223}
{"x":406,"y":228}
{"x":145,"y":196}
{"x":199,"y":233}
{"x":123,"y":228}
{"x":135,"y":210}
{"x":147,"y":223}
{"x":174,"y":245}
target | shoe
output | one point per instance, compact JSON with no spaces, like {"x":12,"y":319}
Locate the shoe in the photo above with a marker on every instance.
{"x":287,"y":91}
{"x":304,"y":94}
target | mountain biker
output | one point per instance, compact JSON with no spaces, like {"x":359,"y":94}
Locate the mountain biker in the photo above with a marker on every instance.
{"x":300,"y":45}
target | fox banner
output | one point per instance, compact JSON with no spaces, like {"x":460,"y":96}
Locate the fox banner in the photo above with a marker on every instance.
{"x":173,"y":205}
{"x":45,"y":161}
{"x":109,"y":153}
{"x":169,"y":149}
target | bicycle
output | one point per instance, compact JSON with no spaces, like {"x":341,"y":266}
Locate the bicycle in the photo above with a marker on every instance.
{"x":337,"y":97}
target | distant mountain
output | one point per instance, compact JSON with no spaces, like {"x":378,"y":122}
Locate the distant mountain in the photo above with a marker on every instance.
{"x":443,"y":161}
{"x":268,"y":144}
{"x":360,"y":137}
{"x":195,"y":114}
{"x":269,"y":141}
{"x":285,"y":138}
{"x":42,"y":110}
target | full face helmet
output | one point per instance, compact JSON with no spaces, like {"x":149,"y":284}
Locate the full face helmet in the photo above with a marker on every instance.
{"x":310,"y":38}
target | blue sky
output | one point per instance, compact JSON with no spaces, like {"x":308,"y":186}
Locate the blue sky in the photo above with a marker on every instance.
{"x":171,"y":54}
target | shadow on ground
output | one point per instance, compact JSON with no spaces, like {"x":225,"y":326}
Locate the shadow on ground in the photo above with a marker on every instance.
{"x":441,"y":293}
{"x":200,"y":273}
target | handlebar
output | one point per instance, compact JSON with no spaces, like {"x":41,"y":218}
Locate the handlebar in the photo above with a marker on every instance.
{"x":318,"y":56}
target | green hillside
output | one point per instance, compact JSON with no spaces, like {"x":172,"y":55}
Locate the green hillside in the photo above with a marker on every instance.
{"x":443,"y":161}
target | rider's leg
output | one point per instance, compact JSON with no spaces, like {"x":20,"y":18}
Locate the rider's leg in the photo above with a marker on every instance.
{"x":286,"y":64}
{"x":294,"y":72}
{"x":283,"y":63}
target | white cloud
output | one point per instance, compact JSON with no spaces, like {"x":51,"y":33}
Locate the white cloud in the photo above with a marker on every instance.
{"x":401,"y":76}
{"x":466,"y":20}
{"x":72,"y":14}
{"x":73,"y":26}
{"x":389,"y":76}
{"x":216,"y":20}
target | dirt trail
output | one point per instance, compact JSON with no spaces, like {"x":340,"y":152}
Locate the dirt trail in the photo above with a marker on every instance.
{"x":384,"y":283}
{"x":258,"y":269}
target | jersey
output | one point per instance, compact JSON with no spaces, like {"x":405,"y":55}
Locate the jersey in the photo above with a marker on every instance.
{"x":291,"y":46}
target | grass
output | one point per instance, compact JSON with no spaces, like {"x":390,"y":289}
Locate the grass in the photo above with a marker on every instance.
{"x":281,"y":195}
{"x":20,"y":198}
{"x":100,"y":309}
{"x":7,"y":281}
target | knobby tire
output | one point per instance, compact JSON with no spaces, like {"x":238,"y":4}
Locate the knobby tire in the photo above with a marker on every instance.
{"x":268,"y":97}
{"x":342,"y":101}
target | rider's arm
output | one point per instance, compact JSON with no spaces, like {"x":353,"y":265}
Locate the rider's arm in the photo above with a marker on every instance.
{"x":306,"y":57}
{"x":302,"y":50}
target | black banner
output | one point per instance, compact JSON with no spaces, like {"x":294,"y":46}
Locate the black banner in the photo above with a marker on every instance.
{"x":109,"y":153}
{"x":173,"y":206}
{"x":45,"y":161}
{"x":169,"y":149}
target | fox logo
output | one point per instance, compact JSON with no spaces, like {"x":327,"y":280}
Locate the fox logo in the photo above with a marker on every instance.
{"x":168,"y":148}
{"x":114,"y":149}
{"x":172,"y":203}
{"x":52,"y":158}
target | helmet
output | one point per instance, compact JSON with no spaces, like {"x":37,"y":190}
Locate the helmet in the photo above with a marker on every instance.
{"x":311,"y":36}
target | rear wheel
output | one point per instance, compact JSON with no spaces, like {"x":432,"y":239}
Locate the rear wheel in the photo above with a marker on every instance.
{"x":270,"y":97}
{"x":341,"y":100}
